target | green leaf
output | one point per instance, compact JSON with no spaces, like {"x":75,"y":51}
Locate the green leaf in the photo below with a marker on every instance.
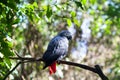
{"x":10,"y":44}
{"x":83,"y":1}
{"x":76,"y":22}
{"x":6,"y":48}
{"x":92,"y":1}
{"x":7,"y":62}
{"x":40,"y":14}
{"x":79,"y":4}
{"x":16,"y":21}
{"x":6,"y":52}
{"x":73,"y":13}
{"x":4,"y":44}
{"x":69,"y":22}
{"x":49,"y":12}
{"x":35,"y":5}
{"x":107,"y":30}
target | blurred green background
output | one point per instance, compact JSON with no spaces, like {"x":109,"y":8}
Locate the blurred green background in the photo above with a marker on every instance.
{"x":27,"y":26}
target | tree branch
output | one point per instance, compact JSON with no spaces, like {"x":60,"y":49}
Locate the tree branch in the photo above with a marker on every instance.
{"x":11,"y":70}
{"x":95,"y":69}
{"x":26,"y":58}
{"x":100,"y":73}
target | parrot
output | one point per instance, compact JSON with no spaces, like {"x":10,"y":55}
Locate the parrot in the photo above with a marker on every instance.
{"x":57,"y":49}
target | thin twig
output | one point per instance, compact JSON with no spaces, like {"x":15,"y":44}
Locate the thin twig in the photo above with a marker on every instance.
{"x":26,"y":58}
{"x":18,"y":54}
{"x":11,"y":70}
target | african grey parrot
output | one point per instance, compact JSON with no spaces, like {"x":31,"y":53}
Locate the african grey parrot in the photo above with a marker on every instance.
{"x":56,"y":50}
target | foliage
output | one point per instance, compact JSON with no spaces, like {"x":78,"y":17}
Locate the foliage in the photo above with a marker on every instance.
{"x":27,"y":27}
{"x":8,"y":18}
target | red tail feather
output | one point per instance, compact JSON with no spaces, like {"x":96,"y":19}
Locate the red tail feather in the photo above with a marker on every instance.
{"x":52,"y":68}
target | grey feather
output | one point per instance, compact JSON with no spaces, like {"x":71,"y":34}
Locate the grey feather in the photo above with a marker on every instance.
{"x":57,"y":48}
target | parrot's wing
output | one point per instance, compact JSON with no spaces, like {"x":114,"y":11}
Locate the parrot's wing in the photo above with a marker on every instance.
{"x":57,"y":48}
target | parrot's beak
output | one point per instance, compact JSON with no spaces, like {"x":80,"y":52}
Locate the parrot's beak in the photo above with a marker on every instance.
{"x":70,"y":37}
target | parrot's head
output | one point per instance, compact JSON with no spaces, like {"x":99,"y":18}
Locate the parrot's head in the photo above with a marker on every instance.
{"x":65,"y":33}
